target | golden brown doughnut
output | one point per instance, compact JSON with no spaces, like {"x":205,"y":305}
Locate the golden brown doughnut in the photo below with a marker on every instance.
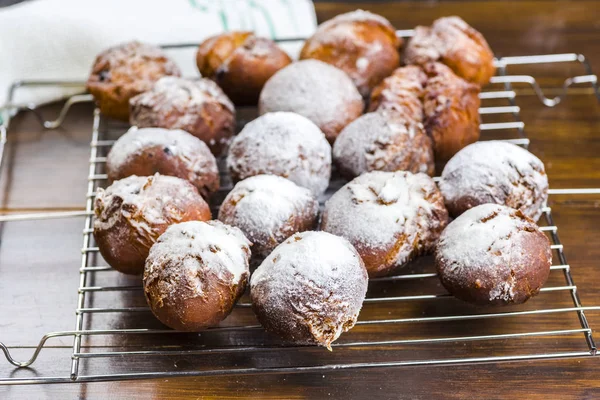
{"x":452,"y":41}
{"x":389,"y":217}
{"x":148,"y":151}
{"x":195,"y":273}
{"x":362,"y":44}
{"x":493,"y":254}
{"x":240,"y":63}
{"x":197,"y":106}
{"x":124,"y":71}
{"x":133,"y":212}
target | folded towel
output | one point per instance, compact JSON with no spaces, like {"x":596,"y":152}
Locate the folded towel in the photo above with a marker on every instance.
{"x":59,"y":39}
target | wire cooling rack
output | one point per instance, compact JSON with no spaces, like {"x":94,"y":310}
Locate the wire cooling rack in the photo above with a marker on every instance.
{"x":116,"y":338}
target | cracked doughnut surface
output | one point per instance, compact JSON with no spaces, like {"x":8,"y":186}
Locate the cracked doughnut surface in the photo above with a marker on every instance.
{"x":269,"y":209}
{"x":147,"y":151}
{"x":493,"y":254}
{"x":383,"y":141}
{"x":389,"y":217}
{"x":124,"y":71}
{"x":310,"y":289}
{"x":133,"y":212}
{"x":240,"y":63}
{"x":196,"y":106}
{"x":495,"y":172}
{"x":360,"y":43}
{"x":452,"y":41}
{"x":195,"y":273}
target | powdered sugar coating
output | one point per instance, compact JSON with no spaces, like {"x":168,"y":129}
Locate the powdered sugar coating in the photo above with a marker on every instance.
{"x":310,"y":289}
{"x":320,"y":92}
{"x":390,"y":217}
{"x":269,"y":209}
{"x":493,"y":254}
{"x":123,"y":71}
{"x":495,"y":172}
{"x":184,"y":156}
{"x":455,"y":43}
{"x":197,"y":106}
{"x":358,"y":16}
{"x":194,"y":261}
{"x":133,"y":212}
{"x":284,"y":144}
{"x":384,"y":142}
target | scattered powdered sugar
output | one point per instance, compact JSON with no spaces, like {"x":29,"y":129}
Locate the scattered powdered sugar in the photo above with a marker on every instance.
{"x":314,"y":89}
{"x":357,"y":16}
{"x":268,"y":209}
{"x":144,"y":201}
{"x":193,"y":152}
{"x":314,"y":280}
{"x":480,"y":245}
{"x":380,"y":210}
{"x":171,"y":92}
{"x":285,"y":144}
{"x":135,"y":63}
{"x":496,"y":172}
{"x":384,"y":142}
{"x":187,"y":252}
{"x":451,"y":40}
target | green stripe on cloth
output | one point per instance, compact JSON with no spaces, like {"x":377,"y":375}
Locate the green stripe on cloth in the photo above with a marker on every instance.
{"x":267,"y":16}
{"x":291,"y":14}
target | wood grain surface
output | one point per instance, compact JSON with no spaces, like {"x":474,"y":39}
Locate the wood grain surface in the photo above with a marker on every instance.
{"x":39,"y":261}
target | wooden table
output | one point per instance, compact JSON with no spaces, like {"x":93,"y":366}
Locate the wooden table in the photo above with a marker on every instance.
{"x":46,"y":171}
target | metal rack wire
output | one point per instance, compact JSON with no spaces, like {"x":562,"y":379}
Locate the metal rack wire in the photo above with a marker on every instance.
{"x":240,"y":346}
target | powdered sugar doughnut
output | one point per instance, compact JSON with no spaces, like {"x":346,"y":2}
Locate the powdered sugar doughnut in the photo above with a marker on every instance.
{"x":360,"y":43}
{"x":195,"y":274}
{"x":124,"y":71}
{"x":493,"y":254}
{"x":147,"y":151}
{"x":310,"y":289}
{"x":320,"y":92}
{"x":285,"y":144}
{"x":390,"y":217}
{"x":452,"y":41}
{"x":495,"y":172}
{"x":269,"y":209}
{"x":383,"y":141}
{"x":402,"y":92}
{"x":133,"y":212}
{"x":197,"y":106}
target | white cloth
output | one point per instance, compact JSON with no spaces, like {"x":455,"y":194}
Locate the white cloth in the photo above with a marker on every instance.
{"x":59,"y":39}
